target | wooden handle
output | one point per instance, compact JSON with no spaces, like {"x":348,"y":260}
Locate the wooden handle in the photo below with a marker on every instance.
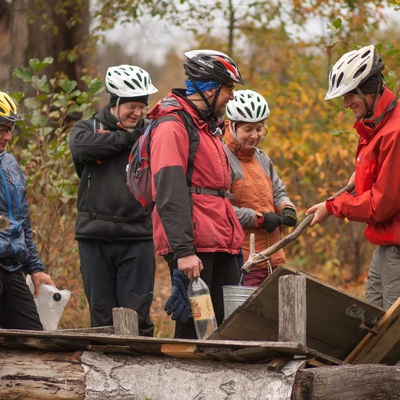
{"x":257,"y":258}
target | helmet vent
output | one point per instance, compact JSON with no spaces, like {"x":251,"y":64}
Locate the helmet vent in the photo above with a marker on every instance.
{"x":339,"y":79}
{"x":360,"y":71}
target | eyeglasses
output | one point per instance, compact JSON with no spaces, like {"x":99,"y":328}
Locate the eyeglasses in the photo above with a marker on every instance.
{"x":135,"y":109}
{"x":6,"y":128}
{"x":231,"y":87}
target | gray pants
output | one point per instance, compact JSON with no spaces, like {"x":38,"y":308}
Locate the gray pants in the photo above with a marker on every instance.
{"x":383,"y":287}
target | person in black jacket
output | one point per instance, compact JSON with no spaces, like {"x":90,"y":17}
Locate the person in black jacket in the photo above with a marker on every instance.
{"x":114,"y":232}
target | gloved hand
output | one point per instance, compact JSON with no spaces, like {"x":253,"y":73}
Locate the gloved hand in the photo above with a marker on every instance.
{"x":178,"y":304}
{"x":289,"y":216}
{"x":271,"y":221}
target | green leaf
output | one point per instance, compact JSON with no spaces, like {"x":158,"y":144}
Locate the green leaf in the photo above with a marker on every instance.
{"x":338,"y":132}
{"x":68,"y":86}
{"x":37,"y":65}
{"x":41,"y":83}
{"x":337,"y":23}
{"x":73,"y":109}
{"x":24,"y":74}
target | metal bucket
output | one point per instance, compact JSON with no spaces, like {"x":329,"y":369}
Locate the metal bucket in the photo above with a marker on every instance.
{"x":234,"y":296}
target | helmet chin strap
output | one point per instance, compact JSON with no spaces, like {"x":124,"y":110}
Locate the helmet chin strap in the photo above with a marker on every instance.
{"x":369,"y":109}
{"x":209,"y":114}
{"x":116,"y":115}
{"x":210,"y":107}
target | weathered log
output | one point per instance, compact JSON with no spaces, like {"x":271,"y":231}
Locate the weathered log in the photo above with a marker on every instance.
{"x":355,"y":382}
{"x":32,"y":375}
{"x":257,"y":258}
{"x":41,"y":375}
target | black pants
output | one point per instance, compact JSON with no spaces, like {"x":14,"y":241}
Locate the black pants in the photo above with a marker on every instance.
{"x":17,"y":306}
{"x":219,"y":269}
{"x":118,"y":274}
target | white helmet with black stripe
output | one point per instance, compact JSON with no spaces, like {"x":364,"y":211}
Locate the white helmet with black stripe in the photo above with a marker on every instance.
{"x":247,"y":106}
{"x":353,"y":69}
{"x":129,"y":81}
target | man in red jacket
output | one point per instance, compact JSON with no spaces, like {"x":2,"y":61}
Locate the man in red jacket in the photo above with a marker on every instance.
{"x":196,"y":228}
{"x":376,"y":200}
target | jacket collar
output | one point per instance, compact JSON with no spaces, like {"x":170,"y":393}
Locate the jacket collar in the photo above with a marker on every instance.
{"x":367,"y":129}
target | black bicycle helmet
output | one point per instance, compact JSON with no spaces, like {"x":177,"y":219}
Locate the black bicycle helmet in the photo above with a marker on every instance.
{"x":203,"y":65}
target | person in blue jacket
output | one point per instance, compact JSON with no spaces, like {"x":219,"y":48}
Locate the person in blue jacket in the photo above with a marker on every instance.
{"x":18,"y":254}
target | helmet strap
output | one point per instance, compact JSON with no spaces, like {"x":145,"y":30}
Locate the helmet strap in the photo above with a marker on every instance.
{"x":210,"y":107}
{"x":232,"y":128}
{"x":370,"y":109}
{"x":116,"y":115}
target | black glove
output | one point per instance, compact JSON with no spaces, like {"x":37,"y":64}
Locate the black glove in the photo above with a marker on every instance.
{"x":289,"y":216}
{"x":178,"y":304}
{"x":271,"y":221}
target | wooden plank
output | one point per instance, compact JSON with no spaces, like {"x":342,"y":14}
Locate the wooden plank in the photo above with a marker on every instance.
{"x":292,"y":309}
{"x":235,"y":350}
{"x":182,"y":350}
{"x":96,"y":329}
{"x":328,"y":329}
{"x":375,"y":347}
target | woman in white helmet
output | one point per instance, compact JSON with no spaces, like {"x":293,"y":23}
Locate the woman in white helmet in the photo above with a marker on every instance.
{"x":261,"y":202}
{"x":375,"y":201}
{"x":114,"y":232}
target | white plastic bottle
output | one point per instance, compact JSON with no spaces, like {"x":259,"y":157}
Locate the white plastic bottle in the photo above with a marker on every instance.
{"x":202,"y":308}
{"x":50,"y":304}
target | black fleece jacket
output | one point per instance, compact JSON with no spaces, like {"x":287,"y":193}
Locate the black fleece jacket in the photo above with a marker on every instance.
{"x":106,"y":208}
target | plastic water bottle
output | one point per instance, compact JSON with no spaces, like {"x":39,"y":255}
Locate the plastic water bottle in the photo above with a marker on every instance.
{"x":202,"y":308}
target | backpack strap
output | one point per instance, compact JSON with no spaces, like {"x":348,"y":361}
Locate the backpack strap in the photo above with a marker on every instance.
{"x":97,"y":125}
{"x":193,"y":135}
{"x":194,"y":139}
{"x":214,"y":192}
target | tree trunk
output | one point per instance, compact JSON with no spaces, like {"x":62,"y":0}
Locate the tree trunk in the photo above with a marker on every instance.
{"x":41,"y":29}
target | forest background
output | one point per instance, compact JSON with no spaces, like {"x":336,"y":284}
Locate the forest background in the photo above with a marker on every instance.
{"x":53,"y":58}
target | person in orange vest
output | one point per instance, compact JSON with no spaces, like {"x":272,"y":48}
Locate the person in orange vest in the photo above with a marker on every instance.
{"x":261,"y":201}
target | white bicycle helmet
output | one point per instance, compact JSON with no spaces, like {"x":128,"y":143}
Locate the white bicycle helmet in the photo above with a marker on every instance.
{"x":129,"y":81}
{"x":247,"y":106}
{"x":352,"y":69}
